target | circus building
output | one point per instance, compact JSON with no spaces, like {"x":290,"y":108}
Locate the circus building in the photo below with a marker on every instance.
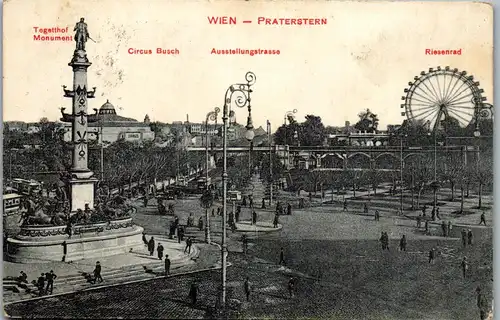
{"x":112,"y":127}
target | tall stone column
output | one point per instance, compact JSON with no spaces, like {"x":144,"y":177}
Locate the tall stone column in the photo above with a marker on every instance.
{"x":81,"y":184}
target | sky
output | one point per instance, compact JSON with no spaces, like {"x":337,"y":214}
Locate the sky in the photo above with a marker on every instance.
{"x":362,"y":58}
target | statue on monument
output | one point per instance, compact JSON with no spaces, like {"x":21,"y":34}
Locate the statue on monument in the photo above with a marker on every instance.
{"x":81,"y":34}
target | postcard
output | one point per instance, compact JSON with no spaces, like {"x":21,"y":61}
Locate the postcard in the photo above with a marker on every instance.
{"x":248,"y":159}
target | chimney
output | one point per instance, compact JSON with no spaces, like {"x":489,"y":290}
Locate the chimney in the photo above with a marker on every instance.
{"x":187,"y":118}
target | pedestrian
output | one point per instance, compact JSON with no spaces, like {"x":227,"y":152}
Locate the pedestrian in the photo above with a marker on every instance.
{"x":200,"y":223}
{"x":365,"y":208}
{"x":482,"y":304}
{"x":41,"y":284}
{"x":244,"y":201}
{"x":386,"y":240}
{"x":483,"y":218}
{"x":377,"y":215}
{"x":282,"y":257}
{"x":433,"y":214}
{"x":50,"y":281}
{"x":167,"y":265}
{"x":237,"y":215}
{"x":151,"y":246}
{"x":248,"y":288}
{"x":291,"y":287}
{"x":465,"y":266}
{"x":144,"y":239}
{"x":23,"y":278}
{"x":254,"y":217}
{"x":419,"y":221}
{"x":276,"y":220}
{"x":289,"y":209}
{"x":345,"y":205}
{"x":218,"y":211}
{"x":464,"y":238}
{"x":97,"y":272}
{"x":402,"y":243}
{"x":469,"y":237}
{"x":449,"y":228}
{"x":251,"y":201}
{"x":213,"y":212}
{"x":180,"y":234}
{"x":426,"y":226}
{"x":193,"y":292}
{"x":382,"y":240}
{"x":159,"y":250}
{"x":432,"y":255}
{"x":263,"y":204}
{"x":444,"y":228}
{"x":189,"y":243}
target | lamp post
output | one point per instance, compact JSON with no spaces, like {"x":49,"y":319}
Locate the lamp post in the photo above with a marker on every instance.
{"x":401,"y":172}
{"x":242,"y":99}
{"x":270,"y":163}
{"x":287,"y":115}
{"x":212,"y":115}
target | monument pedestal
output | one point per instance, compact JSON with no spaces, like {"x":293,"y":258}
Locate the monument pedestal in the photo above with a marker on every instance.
{"x":42,"y":244}
{"x":81,"y":193}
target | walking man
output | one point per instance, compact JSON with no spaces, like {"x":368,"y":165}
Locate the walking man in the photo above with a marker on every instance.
{"x":167,"y":265}
{"x":345,"y":205}
{"x":402,"y":243}
{"x":189,"y":243}
{"x":50,"y":281}
{"x":289,"y":209}
{"x":159,"y":250}
{"x":382,"y":240}
{"x":465,"y":266}
{"x":151,"y":246}
{"x":432,"y":255}
{"x":276,"y":220}
{"x":469,"y":237}
{"x":248,"y":288}
{"x":282,"y":257}
{"x":200,"y":223}
{"x":97,"y":272}
{"x":449,"y":228}
{"x":464,"y":238}
{"x":483,"y":219}
{"x":377,"y":215}
{"x":419,"y":221}
{"x":193,"y":292}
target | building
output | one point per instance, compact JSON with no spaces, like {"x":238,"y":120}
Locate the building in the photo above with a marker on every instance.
{"x":112,"y":127}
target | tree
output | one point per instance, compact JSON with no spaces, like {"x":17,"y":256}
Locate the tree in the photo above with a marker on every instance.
{"x":368,"y":121}
{"x":375,"y":178}
{"x":312,"y":132}
{"x":423,"y":176}
{"x":284,"y":135}
{"x":484,"y":175}
{"x":453,"y":173}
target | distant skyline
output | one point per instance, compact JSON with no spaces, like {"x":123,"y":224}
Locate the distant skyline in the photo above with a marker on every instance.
{"x":362,"y":58}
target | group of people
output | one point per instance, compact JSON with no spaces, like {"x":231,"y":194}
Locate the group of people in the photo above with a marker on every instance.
{"x":44,"y":283}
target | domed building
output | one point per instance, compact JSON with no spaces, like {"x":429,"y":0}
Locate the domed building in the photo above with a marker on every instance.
{"x":112,"y":127}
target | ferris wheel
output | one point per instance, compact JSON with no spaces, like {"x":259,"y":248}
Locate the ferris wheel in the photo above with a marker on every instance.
{"x":444,"y":93}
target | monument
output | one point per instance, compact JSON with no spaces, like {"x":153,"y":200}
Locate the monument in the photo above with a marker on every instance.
{"x":71,"y":226}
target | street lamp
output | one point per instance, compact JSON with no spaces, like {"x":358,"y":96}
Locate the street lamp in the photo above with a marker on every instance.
{"x":288,"y":114}
{"x":401,"y":172}
{"x":241,"y":100}
{"x":249,"y":135}
{"x":270,"y":163}
{"x":212,"y":115}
